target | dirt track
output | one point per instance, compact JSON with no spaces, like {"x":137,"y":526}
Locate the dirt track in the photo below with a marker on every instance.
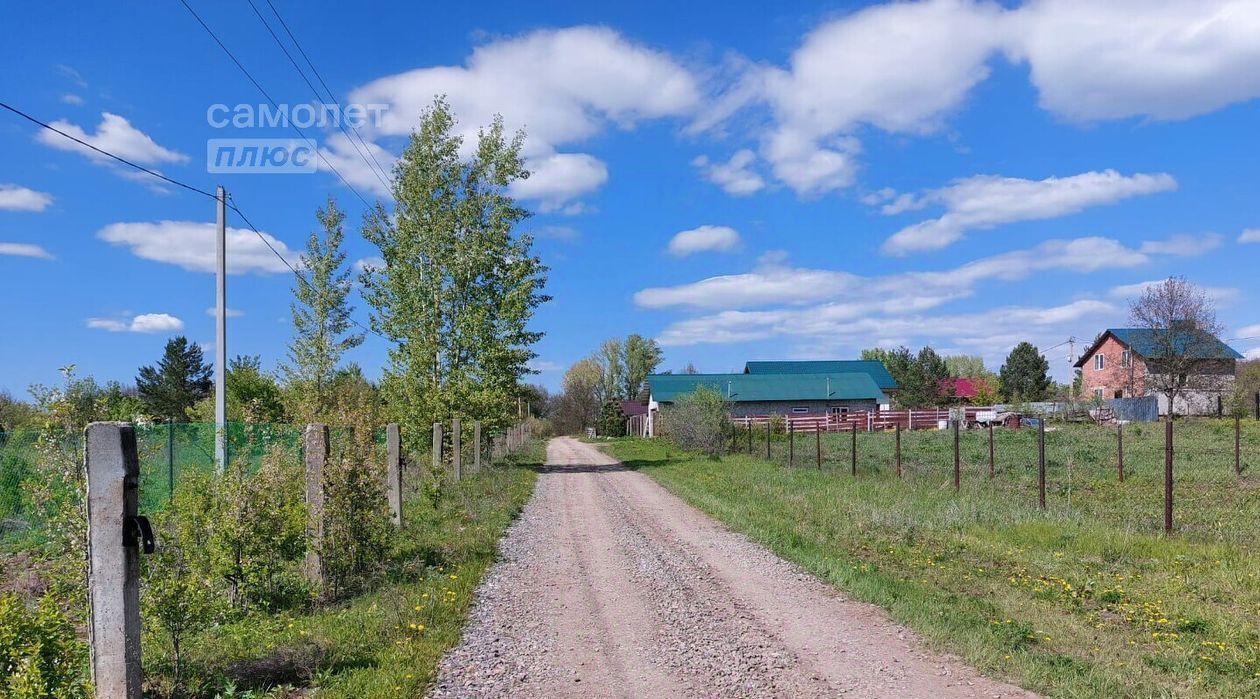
{"x":610,"y":586}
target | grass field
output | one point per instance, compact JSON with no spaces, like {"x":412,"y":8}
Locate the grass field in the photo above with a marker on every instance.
{"x":1084,"y":599}
{"x":383,"y":645}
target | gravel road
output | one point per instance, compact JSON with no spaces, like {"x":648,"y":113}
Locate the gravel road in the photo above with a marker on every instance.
{"x":609,"y":586}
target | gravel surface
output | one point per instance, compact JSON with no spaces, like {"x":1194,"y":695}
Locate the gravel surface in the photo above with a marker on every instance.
{"x":609,"y":586}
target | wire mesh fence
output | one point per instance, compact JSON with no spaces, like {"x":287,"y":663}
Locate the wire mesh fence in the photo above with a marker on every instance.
{"x":1112,"y":473}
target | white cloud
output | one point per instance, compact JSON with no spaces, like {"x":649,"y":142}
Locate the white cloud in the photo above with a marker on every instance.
{"x":562,"y":85}
{"x":367,"y":263}
{"x":1166,"y":59}
{"x":340,"y":152}
{"x":25,"y":250}
{"x":191,"y":245}
{"x":704,"y":238}
{"x":15,"y":198}
{"x":1219,"y":294}
{"x":906,"y":67}
{"x":1253,"y":353}
{"x":734,"y":176}
{"x":1248,"y":331}
{"x":1185,"y":245}
{"x":72,"y":99}
{"x":774,"y":282}
{"x":143,"y":323}
{"x":231,"y":312}
{"x":559,"y":178}
{"x":114,"y":134}
{"x":1251,"y":235}
{"x":986,"y":201}
{"x":566,"y":233}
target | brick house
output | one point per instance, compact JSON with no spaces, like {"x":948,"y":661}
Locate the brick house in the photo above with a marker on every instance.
{"x":1118,"y":363}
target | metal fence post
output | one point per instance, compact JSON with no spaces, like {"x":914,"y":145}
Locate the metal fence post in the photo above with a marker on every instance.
{"x":897,"y":449}
{"x":990,"y":450}
{"x":170,"y":456}
{"x":1237,"y":445}
{"x":818,"y":444}
{"x":1168,"y":475}
{"x":316,"y":446}
{"x":477,"y":445}
{"x":957,"y":460}
{"x":393,"y":471}
{"x":113,"y":474}
{"x":853,"y":446}
{"x":457,"y":451}
{"x":1120,"y":452}
{"x":1041,"y":462}
{"x":791,"y":431}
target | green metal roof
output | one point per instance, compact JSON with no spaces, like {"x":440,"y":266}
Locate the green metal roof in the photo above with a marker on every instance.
{"x":739,"y":388}
{"x":872,"y":367}
{"x":1152,"y":344}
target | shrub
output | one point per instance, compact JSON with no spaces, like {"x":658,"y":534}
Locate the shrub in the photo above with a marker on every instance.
{"x":699,"y":421}
{"x":358,"y":530}
{"x":40,"y":658}
{"x":611,"y":423}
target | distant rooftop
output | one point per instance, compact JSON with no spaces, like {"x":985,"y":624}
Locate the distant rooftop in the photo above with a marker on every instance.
{"x":874,"y":368}
{"x":1148,"y":343}
{"x":740,"y":388}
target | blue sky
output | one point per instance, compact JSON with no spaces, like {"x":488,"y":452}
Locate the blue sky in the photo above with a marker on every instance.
{"x":739,"y":180}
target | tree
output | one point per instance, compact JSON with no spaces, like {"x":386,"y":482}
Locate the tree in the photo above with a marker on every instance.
{"x":253,"y":396}
{"x":611,"y":421}
{"x":458,"y":287}
{"x":900,"y":364}
{"x":699,"y":421}
{"x":180,"y":379}
{"x":966,"y":366}
{"x":1024,"y":374}
{"x":321,"y":318}
{"x":579,"y":404}
{"x":612,"y":362}
{"x":1184,"y":352}
{"x":1246,"y":386}
{"x":642,"y":356}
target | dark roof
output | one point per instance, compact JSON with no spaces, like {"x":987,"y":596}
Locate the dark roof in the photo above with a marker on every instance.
{"x":872,"y":367}
{"x":1147,"y":343}
{"x":739,"y":388}
{"x":630,"y":408}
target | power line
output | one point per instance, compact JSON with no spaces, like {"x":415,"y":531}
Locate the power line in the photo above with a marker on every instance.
{"x":318,"y":97}
{"x":106,"y":153}
{"x":269,"y":99}
{"x":320,"y":78}
{"x":191,"y":188}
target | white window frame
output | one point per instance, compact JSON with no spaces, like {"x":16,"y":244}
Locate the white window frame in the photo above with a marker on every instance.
{"x":1100,"y":361}
{"x":1126,"y":357}
{"x":1099,"y":392}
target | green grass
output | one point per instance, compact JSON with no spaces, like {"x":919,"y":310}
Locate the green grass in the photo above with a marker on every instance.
{"x":386,"y":644}
{"x":1085,"y":599}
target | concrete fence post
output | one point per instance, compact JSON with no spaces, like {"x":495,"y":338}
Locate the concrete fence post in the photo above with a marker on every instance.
{"x":316,"y":443}
{"x":113,"y":474}
{"x":457,"y":451}
{"x":437,"y":447}
{"x":477,"y":445}
{"x":393,"y":471}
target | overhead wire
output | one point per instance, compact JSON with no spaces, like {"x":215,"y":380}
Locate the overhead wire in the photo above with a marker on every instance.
{"x":170,"y":180}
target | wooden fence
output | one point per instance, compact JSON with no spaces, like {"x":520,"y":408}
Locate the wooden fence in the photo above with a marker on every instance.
{"x":868,"y":421}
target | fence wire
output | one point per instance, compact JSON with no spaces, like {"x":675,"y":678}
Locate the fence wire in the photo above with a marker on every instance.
{"x":1214,"y":484}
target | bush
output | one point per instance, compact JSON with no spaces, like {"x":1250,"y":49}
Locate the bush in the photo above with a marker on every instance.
{"x":611,"y":423}
{"x":40,"y":658}
{"x":699,"y":421}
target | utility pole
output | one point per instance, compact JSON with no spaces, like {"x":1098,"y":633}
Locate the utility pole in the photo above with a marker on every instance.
{"x":220,"y":332}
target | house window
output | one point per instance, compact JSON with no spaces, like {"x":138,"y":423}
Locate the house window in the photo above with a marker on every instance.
{"x":838,"y":410}
{"x":1098,"y":392}
{"x":1125,"y":358}
{"x":800,"y":411}
{"x":1099,"y":362}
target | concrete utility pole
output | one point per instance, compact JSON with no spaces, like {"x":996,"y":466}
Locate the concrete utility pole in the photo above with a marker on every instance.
{"x":220,"y":332}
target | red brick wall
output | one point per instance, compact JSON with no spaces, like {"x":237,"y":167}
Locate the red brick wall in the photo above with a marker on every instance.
{"x":1114,"y":376}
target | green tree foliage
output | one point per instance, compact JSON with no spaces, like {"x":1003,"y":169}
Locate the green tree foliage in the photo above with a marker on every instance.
{"x":899,"y":363}
{"x":1024,"y":375}
{"x":642,"y":356}
{"x":579,"y":404}
{"x":253,"y":396}
{"x":966,"y":366}
{"x":16,"y":414}
{"x":922,"y":379}
{"x":611,"y":357}
{"x":699,"y":421}
{"x":611,"y":422}
{"x":458,"y":287}
{"x":321,"y":318}
{"x":180,"y":379}
{"x":1242,"y":400}
{"x":40,"y":657}
{"x":78,"y":401}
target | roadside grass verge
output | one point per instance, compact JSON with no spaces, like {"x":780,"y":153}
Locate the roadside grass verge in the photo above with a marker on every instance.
{"x":381,"y":645}
{"x":1077,"y":601}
